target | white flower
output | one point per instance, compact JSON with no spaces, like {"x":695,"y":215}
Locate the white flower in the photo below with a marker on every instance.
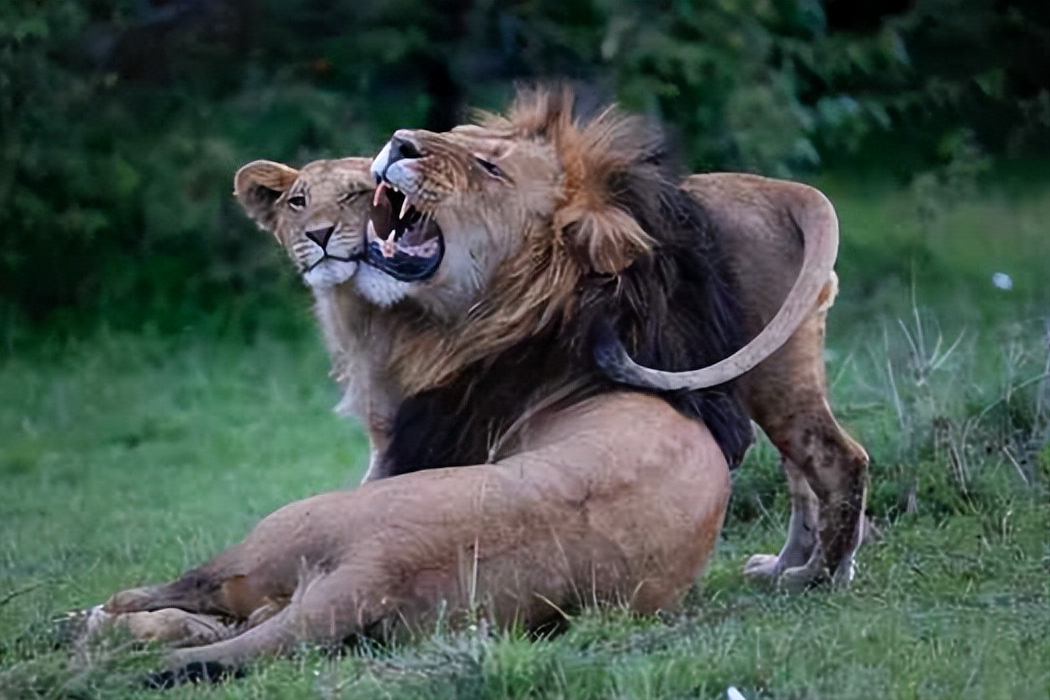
{"x":1001,"y":280}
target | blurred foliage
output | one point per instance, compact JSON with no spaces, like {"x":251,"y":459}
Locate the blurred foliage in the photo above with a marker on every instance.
{"x":122,"y":121}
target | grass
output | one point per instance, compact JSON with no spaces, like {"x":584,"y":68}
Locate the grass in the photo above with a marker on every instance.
{"x":126,"y":459}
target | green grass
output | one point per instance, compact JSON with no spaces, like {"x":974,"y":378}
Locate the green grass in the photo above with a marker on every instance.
{"x":125,"y":460}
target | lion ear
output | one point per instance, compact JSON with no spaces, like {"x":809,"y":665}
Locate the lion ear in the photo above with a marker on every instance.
{"x":257,"y":187}
{"x":603,"y":237}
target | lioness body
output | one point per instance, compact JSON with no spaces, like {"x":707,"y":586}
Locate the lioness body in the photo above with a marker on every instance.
{"x":317,"y":214}
{"x":617,"y":500}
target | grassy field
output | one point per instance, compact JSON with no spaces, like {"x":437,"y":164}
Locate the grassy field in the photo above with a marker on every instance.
{"x":125,"y":459}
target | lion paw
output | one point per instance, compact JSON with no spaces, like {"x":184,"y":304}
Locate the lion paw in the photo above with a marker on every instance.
{"x":845,"y":573}
{"x":800,"y":578}
{"x":769,"y":568}
{"x":130,"y":600}
{"x":762,"y":566}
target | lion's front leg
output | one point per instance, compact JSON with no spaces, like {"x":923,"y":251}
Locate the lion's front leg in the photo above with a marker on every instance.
{"x":169,"y":626}
{"x":379,"y":428}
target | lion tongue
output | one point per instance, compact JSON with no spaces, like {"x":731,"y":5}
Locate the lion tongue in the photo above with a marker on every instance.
{"x":382,"y":216}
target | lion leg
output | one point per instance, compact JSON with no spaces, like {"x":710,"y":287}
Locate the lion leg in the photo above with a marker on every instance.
{"x":170,"y":626}
{"x":325,"y":610}
{"x":826,"y":469}
{"x":195,"y":592}
{"x":379,"y":441}
{"x":375,"y":458}
{"x":280,"y":634}
{"x":836,"y":468}
{"x":803,"y":527}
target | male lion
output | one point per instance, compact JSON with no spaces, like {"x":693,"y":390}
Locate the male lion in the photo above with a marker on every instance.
{"x":617,"y":499}
{"x":779,"y":240}
{"x":760,"y":224}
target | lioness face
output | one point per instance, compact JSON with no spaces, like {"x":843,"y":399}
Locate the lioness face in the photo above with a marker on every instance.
{"x":317,"y":214}
{"x":449,"y":208}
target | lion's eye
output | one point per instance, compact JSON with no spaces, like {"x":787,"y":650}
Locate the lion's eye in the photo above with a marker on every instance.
{"x":490,"y":167}
{"x":297,"y":201}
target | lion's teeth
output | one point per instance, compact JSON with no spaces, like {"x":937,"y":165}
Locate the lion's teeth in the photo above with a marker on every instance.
{"x":378,"y":194}
{"x":404,"y":209}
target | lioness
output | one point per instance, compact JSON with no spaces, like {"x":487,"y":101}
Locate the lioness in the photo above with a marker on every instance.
{"x":783,"y":293}
{"x":318,"y":215}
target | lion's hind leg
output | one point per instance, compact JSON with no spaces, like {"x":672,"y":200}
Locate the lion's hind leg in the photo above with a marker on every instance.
{"x":801,"y":551}
{"x":834,"y":469}
{"x":826,"y":469}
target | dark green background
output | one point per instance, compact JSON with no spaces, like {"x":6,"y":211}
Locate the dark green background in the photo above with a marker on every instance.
{"x":122,"y":121}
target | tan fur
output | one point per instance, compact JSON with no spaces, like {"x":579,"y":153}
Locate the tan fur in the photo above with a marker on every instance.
{"x":786,"y":394}
{"x":556,"y":221}
{"x":357,"y":330}
{"x":556,"y":203}
{"x":617,"y":500}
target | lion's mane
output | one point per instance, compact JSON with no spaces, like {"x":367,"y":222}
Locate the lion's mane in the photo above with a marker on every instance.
{"x":646,"y":267}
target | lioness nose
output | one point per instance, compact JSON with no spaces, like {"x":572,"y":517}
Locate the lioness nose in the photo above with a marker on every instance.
{"x":320,"y":236}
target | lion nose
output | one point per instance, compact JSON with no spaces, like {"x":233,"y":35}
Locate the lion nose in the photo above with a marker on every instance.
{"x":401,"y":148}
{"x":320,"y":236}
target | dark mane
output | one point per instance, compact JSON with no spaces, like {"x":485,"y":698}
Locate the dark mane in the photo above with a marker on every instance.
{"x":674,"y":306}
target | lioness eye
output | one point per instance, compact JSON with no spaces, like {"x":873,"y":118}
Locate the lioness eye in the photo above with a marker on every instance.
{"x":351,"y":197}
{"x":490,"y":167}
{"x":297,"y":201}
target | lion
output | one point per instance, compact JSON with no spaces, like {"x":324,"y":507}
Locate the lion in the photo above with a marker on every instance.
{"x":616,"y":500}
{"x":779,"y":241}
{"x":761,"y":224}
{"x":318,"y":215}
{"x":518,"y":474}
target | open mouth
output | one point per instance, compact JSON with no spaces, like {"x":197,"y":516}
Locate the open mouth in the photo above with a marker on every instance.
{"x":408,"y":245}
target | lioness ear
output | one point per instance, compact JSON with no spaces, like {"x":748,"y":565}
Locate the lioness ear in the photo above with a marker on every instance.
{"x":603,"y":237}
{"x":258,"y":185}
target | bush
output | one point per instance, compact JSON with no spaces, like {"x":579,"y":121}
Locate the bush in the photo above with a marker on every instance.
{"x":122,"y":122}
